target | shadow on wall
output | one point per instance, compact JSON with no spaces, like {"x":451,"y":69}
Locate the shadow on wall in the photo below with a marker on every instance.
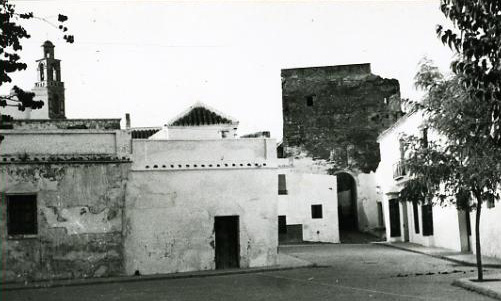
{"x":363,"y":219}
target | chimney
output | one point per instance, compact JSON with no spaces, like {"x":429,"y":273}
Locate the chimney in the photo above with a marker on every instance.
{"x":127,"y":120}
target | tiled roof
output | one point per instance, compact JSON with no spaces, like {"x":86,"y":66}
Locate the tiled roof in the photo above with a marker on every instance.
{"x":144,"y":133}
{"x":201,"y":114}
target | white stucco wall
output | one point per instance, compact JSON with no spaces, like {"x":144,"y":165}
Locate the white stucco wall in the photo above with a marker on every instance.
{"x":305,"y":190}
{"x":445,"y":228}
{"x":170,"y":212}
{"x":490,"y":230}
{"x":367,"y":199}
{"x":446,"y":232}
{"x":366,"y":189}
{"x":228,"y":151}
{"x":61,"y":142}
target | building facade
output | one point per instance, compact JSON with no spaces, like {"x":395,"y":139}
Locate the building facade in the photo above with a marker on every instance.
{"x":427,"y":224}
{"x":307,"y":206}
{"x":62,"y":200}
{"x":82,"y":198}
{"x":200,"y":201}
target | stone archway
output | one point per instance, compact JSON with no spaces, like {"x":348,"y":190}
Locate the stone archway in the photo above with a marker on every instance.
{"x":347,"y":202}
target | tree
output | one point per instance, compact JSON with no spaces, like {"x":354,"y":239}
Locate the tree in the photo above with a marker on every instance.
{"x":10,"y":61}
{"x":461,"y":165}
{"x":476,"y":37}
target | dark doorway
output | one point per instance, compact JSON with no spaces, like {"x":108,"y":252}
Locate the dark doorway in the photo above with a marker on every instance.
{"x":427,"y":216}
{"x":282,"y":228}
{"x":394,"y":218}
{"x":347,"y":202}
{"x":227,"y":242}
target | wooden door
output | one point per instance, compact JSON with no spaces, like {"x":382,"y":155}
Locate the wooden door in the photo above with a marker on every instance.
{"x":227,"y":242}
{"x":394,"y":218}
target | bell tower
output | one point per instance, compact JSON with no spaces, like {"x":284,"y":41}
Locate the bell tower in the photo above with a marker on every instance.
{"x":49,"y":88}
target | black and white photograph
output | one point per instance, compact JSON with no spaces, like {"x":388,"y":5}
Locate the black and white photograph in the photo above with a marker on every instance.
{"x":250,"y":150}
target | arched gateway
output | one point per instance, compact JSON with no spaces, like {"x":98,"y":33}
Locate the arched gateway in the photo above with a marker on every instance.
{"x":347,"y":202}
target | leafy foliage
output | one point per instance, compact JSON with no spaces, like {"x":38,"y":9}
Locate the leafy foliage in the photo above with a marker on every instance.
{"x":461,"y":165}
{"x":477,"y":39}
{"x":461,"y":157}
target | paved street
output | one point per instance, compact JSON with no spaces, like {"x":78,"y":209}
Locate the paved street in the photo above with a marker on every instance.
{"x":344,"y":272}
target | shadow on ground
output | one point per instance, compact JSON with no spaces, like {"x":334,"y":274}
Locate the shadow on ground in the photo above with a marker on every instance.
{"x":356,"y":237}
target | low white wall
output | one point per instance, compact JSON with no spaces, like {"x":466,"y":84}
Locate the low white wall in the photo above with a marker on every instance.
{"x":207,"y":132}
{"x":193,"y":151}
{"x":60,"y":142}
{"x":305,"y":190}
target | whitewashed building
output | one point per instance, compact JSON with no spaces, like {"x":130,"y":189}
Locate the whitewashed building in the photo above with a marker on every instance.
{"x":428,"y":225}
{"x":198,"y":201}
{"x":199,"y":122}
{"x":307,"y":205}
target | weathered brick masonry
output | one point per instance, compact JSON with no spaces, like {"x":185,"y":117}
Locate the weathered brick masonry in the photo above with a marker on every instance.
{"x":335,"y":113}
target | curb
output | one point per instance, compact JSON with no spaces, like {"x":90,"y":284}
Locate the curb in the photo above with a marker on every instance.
{"x":467,"y":284}
{"x":120,"y":279}
{"x":444,"y":257}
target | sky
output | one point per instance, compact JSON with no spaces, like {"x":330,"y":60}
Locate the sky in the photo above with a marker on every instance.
{"x":153,"y":59}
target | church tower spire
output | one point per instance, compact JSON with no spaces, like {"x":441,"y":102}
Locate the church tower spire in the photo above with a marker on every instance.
{"x":49,"y":88}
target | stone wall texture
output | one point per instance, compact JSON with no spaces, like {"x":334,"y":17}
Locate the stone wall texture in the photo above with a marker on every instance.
{"x":52,"y":124}
{"x":336,"y":113}
{"x":79,"y":216}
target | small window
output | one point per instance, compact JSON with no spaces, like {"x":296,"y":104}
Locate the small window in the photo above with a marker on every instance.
{"x":282,"y":224}
{"x":282,"y":184}
{"x":316,"y":211}
{"x":22,"y":215}
{"x":280,"y":151}
{"x":310,"y":99}
{"x":42,"y":72}
{"x":427,"y":215}
{"x":224,"y":134}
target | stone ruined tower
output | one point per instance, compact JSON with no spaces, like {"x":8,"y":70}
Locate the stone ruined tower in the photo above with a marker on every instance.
{"x":49,"y":88}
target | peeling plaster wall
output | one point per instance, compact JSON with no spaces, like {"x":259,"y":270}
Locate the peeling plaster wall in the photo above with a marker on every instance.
{"x":170,"y":218}
{"x":304,"y":190}
{"x":79,"y":220}
{"x":53,"y":124}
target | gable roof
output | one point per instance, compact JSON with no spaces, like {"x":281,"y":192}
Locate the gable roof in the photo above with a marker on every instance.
{"x":201,"y":114}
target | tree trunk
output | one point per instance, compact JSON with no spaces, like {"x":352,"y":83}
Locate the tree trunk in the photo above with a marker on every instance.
{"x":477,"y":240}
